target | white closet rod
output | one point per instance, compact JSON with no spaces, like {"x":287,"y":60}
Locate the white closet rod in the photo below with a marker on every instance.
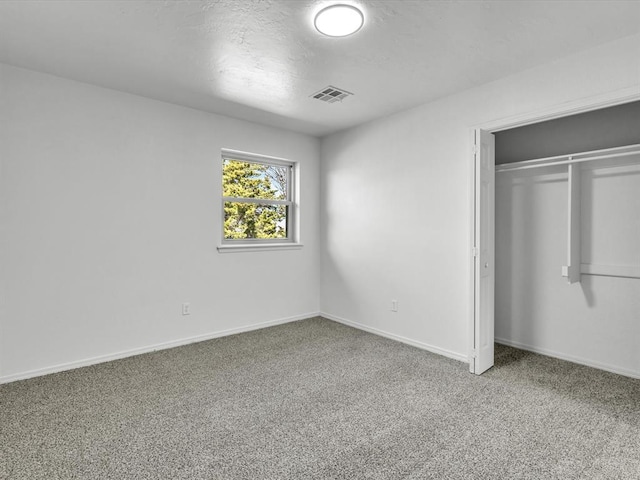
{"x":568,"y":159}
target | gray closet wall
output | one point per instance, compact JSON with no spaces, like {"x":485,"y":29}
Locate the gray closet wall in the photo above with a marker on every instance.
{"x":605,"y":128}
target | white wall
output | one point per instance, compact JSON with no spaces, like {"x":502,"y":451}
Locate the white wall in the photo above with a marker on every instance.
{"x":395,"y":197}
{"x":110,"y":218}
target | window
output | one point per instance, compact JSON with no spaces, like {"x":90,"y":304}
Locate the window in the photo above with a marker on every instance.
{"x":257,"y":201}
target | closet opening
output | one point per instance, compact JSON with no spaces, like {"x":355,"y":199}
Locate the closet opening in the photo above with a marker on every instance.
{"x":567,"y":239}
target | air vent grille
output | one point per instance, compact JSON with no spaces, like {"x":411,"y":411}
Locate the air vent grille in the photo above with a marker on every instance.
{"x":331,"y":94}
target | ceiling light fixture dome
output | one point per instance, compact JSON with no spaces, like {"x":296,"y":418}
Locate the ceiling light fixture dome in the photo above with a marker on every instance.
{"x":339,"y":20}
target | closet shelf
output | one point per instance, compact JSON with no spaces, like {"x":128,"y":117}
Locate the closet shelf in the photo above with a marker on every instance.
{"x":572,"y":158}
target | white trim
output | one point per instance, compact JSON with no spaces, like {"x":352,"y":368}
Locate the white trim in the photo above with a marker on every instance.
{"x":230,"y":154}
{"x":151,"y":348}
{"x":571,"y":358}
{"x":471,"y":357}
{"x":414,"y":343}
{"x":583,"y":105}
{"x":259,"y":247}
{"x":257,"y":201}
{"x":291,"y":201}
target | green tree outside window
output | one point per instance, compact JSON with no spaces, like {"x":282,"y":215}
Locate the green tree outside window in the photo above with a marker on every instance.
{"x":245,"y":184}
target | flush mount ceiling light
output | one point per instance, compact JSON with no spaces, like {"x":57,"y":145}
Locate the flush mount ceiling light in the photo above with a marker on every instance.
{"x":339,"y":20}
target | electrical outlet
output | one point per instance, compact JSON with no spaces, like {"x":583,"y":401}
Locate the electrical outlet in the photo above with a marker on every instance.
{"x":186,"y":309}
{"x":394,"y":305}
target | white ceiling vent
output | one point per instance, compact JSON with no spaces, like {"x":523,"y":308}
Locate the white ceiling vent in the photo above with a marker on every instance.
{"x":331,"y":94}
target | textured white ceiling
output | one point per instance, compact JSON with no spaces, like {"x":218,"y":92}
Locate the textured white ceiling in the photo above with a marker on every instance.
{"x":261,"y":60}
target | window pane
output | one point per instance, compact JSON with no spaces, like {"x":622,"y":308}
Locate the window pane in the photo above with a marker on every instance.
{"x":251,"y":220}
{"x":254,"y":180}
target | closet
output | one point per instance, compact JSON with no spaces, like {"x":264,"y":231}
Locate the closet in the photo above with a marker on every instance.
{"x":567,"y":253}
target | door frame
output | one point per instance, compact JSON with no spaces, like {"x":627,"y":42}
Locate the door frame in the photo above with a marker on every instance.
{"x":611,"y":99}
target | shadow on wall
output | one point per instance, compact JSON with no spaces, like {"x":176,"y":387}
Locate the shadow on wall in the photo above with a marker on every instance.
{"x":522,"y":256}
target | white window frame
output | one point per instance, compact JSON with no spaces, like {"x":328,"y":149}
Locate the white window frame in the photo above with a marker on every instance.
{"x":258,"y":244}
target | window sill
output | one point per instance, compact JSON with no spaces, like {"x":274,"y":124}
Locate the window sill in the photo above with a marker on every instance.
{"x":259,"y":247}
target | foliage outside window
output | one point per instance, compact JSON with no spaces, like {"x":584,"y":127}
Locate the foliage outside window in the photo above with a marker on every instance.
{"x":257,"y":198}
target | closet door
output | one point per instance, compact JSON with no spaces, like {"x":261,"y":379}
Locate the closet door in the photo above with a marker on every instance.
{"x":484,"y":274}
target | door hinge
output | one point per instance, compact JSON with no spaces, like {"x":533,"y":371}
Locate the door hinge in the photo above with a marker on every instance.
{"x":475,"y":149}
{"x":474,"y":354}
{"x":475,"y":251}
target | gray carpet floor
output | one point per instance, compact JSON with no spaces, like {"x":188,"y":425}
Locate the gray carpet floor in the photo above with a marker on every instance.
{"x":317,"y":400}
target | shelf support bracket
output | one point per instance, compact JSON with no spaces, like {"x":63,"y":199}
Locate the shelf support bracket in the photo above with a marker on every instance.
{"x":574,"y":249}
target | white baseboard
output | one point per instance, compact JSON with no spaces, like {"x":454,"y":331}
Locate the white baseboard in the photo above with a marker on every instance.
{"x":570,"y":358}
{"x":424,"y":346}
{"x":150,"y":348}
